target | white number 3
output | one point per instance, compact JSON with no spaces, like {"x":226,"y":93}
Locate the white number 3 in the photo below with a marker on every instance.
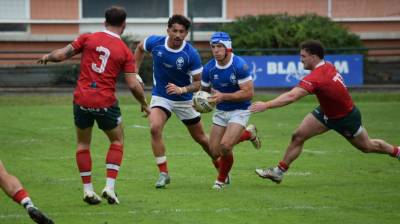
{"x":103,"y":58}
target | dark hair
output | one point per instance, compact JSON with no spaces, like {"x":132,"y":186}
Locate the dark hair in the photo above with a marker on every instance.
{"x":313,"y":47}
{"x":179,"y":19}
{"x":115,"y":16}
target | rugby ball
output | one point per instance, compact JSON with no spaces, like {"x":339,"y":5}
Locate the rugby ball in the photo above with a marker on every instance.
{"x":201,"y":102}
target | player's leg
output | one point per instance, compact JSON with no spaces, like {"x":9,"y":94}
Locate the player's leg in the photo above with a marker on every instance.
{"x":351,"y":128}
{"x":113,"y":162}
{"x":309,"y":127}
{"x":110,"y":121}
{"x":250,"y":134}
{"x":14,"y":189}
{"x":158,"y":119}
{"x":367,"y":145}
{"x":230,"y":137}
{"x":84,"y":123}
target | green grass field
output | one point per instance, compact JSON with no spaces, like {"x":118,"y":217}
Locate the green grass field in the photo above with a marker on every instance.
{"x":330,"y":183}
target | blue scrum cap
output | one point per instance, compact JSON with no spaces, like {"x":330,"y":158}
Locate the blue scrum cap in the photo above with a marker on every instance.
{"x":222,"y":38}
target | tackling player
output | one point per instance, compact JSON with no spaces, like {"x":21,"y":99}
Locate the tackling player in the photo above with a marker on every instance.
{"x":228,"y":78}
{"x":14,"y":189}
{"x":104,"y":56}
{"x":336,"y":111}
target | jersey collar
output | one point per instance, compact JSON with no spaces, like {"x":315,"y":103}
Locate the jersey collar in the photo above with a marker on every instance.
{"x":112,"y":34}
{"x":320,"y":63}
{"x":225,"y":66}
{"x":174,"y":50}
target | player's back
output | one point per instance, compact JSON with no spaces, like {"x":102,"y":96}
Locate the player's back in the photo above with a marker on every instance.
{"x":104,"y":57}
{"x":331,"y":91}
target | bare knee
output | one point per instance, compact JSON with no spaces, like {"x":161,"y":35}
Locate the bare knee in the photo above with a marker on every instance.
{"x":226,"y":147}
{"x":155,"y":130}
{"x":297,"y":137}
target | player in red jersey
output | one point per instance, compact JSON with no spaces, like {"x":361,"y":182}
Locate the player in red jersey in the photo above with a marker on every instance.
{"x":14,"y":189}
{"x":336,"y":111}
{"x":104,"y":57}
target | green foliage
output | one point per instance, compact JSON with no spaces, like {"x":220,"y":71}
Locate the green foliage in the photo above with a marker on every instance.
{"x":283,"y":31}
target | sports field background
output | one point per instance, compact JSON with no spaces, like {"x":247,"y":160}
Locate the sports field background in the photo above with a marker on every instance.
{"x":330,"y":183}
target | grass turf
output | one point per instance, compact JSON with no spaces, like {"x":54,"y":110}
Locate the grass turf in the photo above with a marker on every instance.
{"x":331,"y":182}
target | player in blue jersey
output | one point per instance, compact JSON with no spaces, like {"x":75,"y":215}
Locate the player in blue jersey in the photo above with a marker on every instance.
{"x":177,"y":74}
{"x":228,"y":78}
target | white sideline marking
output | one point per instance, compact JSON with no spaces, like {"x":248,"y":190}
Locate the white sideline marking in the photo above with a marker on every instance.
{"x":138,"y":126}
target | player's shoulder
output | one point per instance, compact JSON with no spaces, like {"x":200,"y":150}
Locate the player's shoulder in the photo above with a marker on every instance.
{"x":155,"y":39}
{"x":239,"y":63}
{"x":209,"y":65}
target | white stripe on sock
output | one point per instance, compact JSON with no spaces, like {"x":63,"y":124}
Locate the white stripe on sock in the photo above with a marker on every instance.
{"x":112,"y":167}
{"x":161,"y":159}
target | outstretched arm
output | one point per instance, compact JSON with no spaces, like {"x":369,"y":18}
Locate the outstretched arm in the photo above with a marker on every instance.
{"x":137,"y":91}
{"x":58,"y":55}
{"x":282,"y":100}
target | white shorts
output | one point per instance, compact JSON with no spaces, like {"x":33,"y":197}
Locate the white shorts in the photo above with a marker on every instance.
{"x":183,"y":109}
{"x":222,"y":118}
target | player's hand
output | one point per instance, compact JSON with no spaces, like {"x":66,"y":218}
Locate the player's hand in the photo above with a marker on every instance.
{"x":173,"y":89}
{"x":258,"y":106}
{"x":43,"y":59}
{"x":216,"y":96}
{"x":145,"y":109}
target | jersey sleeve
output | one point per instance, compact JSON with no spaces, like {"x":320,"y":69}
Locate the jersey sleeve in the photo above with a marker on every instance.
{"x":79,"y":42}
{"x":205,"y":77}
{"x":243,"y":74}
{"x":150,"y":42}
{"x":195,"y":65}
{"x":129,"y":66}
{"x":309,"y":83}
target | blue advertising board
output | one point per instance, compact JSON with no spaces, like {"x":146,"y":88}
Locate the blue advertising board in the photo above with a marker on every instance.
{"x":287,"y":70}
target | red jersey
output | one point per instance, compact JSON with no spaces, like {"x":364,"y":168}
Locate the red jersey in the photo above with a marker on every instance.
{"x":327,"y":84}
{"x":104,"y":57}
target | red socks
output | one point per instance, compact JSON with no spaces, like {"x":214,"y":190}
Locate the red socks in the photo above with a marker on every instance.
{"x":162,"y":164}
{"x":396,"y":152}
{"x":20,"y":195}
{"x":225,"y":165}
{"x":245,"y":136}
{"x":283,"y":166}
{"x":114,"y":160}
{"x":84,"y":163}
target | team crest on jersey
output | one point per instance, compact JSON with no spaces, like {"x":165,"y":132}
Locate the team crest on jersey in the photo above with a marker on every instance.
{"x":180,"y":62}
{"x":215,"y":76}
{"x":233,"y":79}
{"x":159,"y":54}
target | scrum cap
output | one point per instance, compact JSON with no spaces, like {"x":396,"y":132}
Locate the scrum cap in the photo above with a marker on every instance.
{"x":222,"y":38}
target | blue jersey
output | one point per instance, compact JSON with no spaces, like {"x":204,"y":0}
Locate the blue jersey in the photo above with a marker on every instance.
{"x":170,"y":65}
{"x":226,"y":79}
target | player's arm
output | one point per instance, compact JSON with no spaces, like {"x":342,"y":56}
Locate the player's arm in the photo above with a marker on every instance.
{"x":282,"y":100}
{"x":139,"y":55}
{"x":246,"y":92}
{"x":58,"y":55}
{"x":136,"y":88}
{"x":192,"y":87}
